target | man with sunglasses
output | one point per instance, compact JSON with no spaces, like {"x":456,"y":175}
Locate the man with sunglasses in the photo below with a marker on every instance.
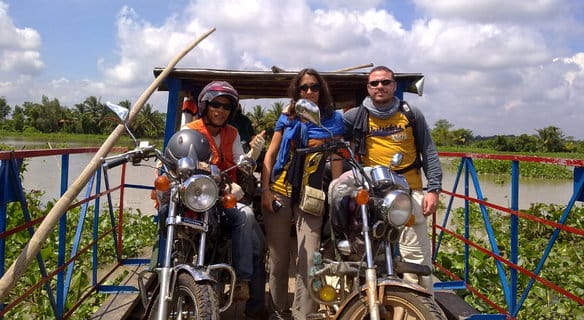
{"x":216,"y":104}
{"x":384,"y":125}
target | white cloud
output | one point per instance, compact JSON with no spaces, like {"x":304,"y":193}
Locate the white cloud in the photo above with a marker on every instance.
{"x":491,"y":10}
{"x":489,"y":65}
{"x":18,"y":47}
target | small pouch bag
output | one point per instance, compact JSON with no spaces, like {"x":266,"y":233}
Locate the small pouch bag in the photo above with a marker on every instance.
{"x":312,"y":201}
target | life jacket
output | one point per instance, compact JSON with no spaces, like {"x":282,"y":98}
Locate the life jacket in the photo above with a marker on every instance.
{"x":222,"y":156}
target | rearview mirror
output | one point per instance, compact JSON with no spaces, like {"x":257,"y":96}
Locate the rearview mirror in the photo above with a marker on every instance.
{"x":308,"y":111}
{"x":122,"y":114}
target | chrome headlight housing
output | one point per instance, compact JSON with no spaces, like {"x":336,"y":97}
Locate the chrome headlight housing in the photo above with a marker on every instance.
{"x":199,"y":192}
{"x":397,"y":207}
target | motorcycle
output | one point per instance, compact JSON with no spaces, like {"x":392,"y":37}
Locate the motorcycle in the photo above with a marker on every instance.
{"x":356,"y":272}
{"x":194,"y":277}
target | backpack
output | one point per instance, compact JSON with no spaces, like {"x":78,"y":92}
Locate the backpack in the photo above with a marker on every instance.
{"x":405,"y":108}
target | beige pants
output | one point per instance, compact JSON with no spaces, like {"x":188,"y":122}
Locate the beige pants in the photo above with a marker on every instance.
{"x":414,"y":244}
{"x":280,"y":244}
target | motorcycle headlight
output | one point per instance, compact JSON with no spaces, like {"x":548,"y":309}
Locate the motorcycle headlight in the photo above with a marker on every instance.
{"x":397,"y":206}
{"x":199,"y":192}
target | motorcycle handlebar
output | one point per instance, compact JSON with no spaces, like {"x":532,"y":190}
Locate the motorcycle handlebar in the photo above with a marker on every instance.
{"x":116,"y":162}
{"x":136,"y":155}
{"x":328,"y":146}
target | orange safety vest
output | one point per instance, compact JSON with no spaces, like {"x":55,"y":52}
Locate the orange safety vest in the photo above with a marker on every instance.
{"x":223,"y":156}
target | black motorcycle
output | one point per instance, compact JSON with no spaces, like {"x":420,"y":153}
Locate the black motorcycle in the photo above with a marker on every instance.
{"x":356,"y":273}
{"x":193,"y":278}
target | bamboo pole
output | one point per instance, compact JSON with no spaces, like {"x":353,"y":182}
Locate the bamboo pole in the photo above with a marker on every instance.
{"x":361,"y":66}
{"x":33,"y":246}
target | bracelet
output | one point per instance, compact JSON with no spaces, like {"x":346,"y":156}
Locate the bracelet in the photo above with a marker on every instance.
{"x":264,"y":190}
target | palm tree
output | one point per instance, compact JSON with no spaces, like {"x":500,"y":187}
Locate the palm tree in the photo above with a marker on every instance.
{"x":273,"y":114}
{"x":551,"y":138}
{"x":91,"y":112}
{"x":149,"y":123}
{"x":257,"y":116}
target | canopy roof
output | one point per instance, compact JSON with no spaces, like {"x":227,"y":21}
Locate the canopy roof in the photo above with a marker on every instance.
{"x":345,"y":87}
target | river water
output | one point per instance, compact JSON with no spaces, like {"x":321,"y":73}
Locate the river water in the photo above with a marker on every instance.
{"x":44,"y":174}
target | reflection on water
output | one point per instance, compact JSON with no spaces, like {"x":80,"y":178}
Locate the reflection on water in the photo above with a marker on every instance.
{"x":44,"y":174}
{"x":498,"y":192}
{"x":20,"y":143}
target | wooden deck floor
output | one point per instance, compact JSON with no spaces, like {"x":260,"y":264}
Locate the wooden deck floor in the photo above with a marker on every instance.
{"x":126,"y":306}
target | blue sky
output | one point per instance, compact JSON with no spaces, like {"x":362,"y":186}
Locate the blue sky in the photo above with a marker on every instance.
{"x":491,"y":66}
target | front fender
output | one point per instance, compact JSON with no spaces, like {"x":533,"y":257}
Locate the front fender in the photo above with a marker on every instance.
{"x":382,"y":286}
{"x":204,"y":274}
{"x":199,"y":274}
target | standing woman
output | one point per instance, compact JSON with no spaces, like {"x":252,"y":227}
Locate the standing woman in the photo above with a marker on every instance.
{"x":284,"y":180}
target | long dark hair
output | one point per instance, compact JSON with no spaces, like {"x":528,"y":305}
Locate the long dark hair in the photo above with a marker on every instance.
{"x":325,"y":99}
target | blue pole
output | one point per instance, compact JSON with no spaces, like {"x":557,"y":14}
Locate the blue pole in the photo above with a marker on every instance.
{"x":174,"y":87}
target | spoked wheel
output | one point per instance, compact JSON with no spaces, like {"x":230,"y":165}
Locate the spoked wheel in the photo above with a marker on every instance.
{"x":397,"y":305}
{"x":191,"y":300}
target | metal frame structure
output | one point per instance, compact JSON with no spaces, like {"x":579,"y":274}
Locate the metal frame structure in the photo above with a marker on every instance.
{"x":508,"y":269}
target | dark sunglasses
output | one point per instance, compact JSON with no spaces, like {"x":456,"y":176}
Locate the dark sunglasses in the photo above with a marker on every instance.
{"x":314,"y":87}
{"x":385,"y":82}
{"x":225,"y":106}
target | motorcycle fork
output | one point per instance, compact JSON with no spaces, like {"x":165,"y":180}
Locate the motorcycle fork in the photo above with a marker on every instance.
{"x":165,"y":272}
{"x":370,"y":272}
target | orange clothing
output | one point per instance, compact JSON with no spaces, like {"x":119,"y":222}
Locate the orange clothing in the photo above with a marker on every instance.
{"x":222,"y":156}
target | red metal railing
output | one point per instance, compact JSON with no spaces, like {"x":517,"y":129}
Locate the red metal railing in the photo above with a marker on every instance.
{"x":508,"y":268}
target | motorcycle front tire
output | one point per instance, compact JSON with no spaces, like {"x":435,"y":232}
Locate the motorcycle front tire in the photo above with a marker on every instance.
{"x":191,"y":300}
{"x":396,"y":304}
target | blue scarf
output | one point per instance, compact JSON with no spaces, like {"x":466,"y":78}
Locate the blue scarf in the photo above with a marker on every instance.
{"x":300,"y":132}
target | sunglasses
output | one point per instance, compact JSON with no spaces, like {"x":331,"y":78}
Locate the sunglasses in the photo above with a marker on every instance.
{"x":313,"y":87}
{"x":385,"y":82}
{"x":225,"y":106}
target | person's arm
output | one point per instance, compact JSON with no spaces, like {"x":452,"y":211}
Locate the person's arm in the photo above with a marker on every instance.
{"x":349,"y":123}
{"x":269,"y":160}
{"x":430,"y":165}
{"x":430,"y":160}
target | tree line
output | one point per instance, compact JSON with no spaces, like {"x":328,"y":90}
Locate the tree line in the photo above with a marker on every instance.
{"x":550,"y":139}
{"x":92,"y":117}
{"x":88,"y":117}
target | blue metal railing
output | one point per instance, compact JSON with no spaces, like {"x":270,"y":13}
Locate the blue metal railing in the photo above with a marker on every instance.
{"x":64,"y":272}
{"x":508,"y":270}
{"x":508,"y":281}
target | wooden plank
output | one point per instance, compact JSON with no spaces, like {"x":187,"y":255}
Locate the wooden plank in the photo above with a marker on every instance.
{"x":122,"y":305}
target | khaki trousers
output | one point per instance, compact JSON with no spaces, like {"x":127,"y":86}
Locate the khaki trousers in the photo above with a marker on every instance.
{"x":280,"y":246}
{"x":414,"y":244}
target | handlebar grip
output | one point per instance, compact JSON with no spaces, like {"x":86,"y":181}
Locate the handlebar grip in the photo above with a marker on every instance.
{"x":116,"y":162}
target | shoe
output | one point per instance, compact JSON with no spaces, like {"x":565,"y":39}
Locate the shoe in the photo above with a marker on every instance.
{"x":281,"y":315}
{"x":241,"y":291}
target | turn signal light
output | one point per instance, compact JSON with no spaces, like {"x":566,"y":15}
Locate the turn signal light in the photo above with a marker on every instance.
{"x":162,"y":183}
{"x":362,"y":197}
{"x":327,"y":293}
{"x":229,"y":201}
